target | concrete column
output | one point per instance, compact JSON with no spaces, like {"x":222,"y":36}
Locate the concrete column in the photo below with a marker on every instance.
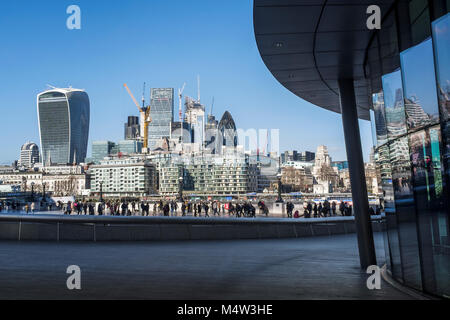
{"x":357,"y":175}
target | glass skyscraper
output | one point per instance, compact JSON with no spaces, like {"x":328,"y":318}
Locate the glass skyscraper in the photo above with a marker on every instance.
{"x":161,"y":101}
{"x":63,"y":125}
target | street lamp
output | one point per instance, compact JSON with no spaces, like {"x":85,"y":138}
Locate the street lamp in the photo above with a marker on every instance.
{"x":180,"y":188}
{"x":32,"y":190}
{"x":43,"y":193}
{"x":101,"y":191}
{"x":279,"y":199}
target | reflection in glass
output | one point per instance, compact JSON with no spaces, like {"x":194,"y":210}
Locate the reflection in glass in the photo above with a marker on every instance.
{"x":393,"y":102}
{"x":441,"y":40}
{"x":380,"y":117}
{"x":393,"y":258}
{"x":419,"y":85}
{"x":405,"y":210}
{"x":428,"y":192}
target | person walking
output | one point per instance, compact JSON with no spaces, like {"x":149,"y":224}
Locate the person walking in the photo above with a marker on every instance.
{"x":91,"y":209}
{"x":166,"y":210}
{"x":315,"y":209}
{"x":100,"y":209}
{"x":199,"y":209}
{"x":183,"y":209}
{"x":342,"y":208}
{"x":206,"y":207}
{"x":333,"y":208}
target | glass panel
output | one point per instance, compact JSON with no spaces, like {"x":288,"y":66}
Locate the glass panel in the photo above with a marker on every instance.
{"x":441,"y":40}
{"x":373,"y":128}
{"x":393,"y":258}
{"x":405,"y":210}
{"x":419,"y":84}
{"x":419,"y":19}
{"x":429,"y":196}
{"x":393,"y":102}
{"x":441,"y":233}
{"x":380,"y":117}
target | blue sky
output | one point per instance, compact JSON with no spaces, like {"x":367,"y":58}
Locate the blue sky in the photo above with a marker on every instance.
{"x":162,"y":42}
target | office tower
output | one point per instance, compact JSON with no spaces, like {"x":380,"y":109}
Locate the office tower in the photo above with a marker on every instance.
{"x":306,"y":156}
{"x":227,"y":131}
{"x":132,"y":128}
{"x":195,"y":117}
{"x":130,"y":146}
{"x":161,"y":101}
{"x":63,"y":125}
{"x":101,"y":149}
{"x":211,"y":134}
{"x":29,"y":155}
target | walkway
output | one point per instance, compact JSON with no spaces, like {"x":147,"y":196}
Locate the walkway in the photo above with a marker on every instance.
{"x":305,"y":268}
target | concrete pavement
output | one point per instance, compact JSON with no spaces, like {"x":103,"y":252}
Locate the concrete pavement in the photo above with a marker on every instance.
{"x":305,"y":268}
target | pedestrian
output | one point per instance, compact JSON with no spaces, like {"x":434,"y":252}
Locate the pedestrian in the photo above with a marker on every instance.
{"x":342,"y":208}
{"x":91,"y":209}
{"x":333,"y":208}
{"x":183,"y":209}
{"x":166,"y":210}
{"x":206,"y":207}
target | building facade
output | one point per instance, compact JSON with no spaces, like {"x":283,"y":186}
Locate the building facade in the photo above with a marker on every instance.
{"x":29,"y":155}
{"x":228,"y":174}
{"x":161,"y":113}
{"x":123,"y":177}
{"x":56,"y":184}
{"x":132,"y":129}
{"x":64,"y":116}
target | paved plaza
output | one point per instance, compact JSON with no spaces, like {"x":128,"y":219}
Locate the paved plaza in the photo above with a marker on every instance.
{"x":304,"y":268}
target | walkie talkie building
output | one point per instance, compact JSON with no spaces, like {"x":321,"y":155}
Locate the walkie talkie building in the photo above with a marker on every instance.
{"x":63,"y":116}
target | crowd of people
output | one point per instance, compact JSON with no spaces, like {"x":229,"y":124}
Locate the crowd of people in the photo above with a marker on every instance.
{"x":157,"y":208}
{"x":15,"y":206}
{"x":197,"y":208}
{"x":313,"y":210}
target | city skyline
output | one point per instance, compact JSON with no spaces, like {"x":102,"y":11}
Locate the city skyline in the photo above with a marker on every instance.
{"x":172,"y":56}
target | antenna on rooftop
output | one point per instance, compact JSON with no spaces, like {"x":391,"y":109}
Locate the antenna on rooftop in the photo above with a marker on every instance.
{"x":198,"y":88}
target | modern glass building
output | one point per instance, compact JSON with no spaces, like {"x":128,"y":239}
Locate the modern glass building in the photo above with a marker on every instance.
{"x":227,"y":132}
{"x":410,"y":95}
{"x":63,"y":125}
{"x":132,"y":130}
{"x":399,"y":76}
{"x":101,"y":149}
{"x":161,"y":114}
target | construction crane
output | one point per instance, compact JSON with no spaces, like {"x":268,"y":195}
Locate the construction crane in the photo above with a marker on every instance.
{"x":145,"y":116}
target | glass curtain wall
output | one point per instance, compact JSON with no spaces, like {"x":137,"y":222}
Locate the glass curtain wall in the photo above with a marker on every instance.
{"x":411,"y":104}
